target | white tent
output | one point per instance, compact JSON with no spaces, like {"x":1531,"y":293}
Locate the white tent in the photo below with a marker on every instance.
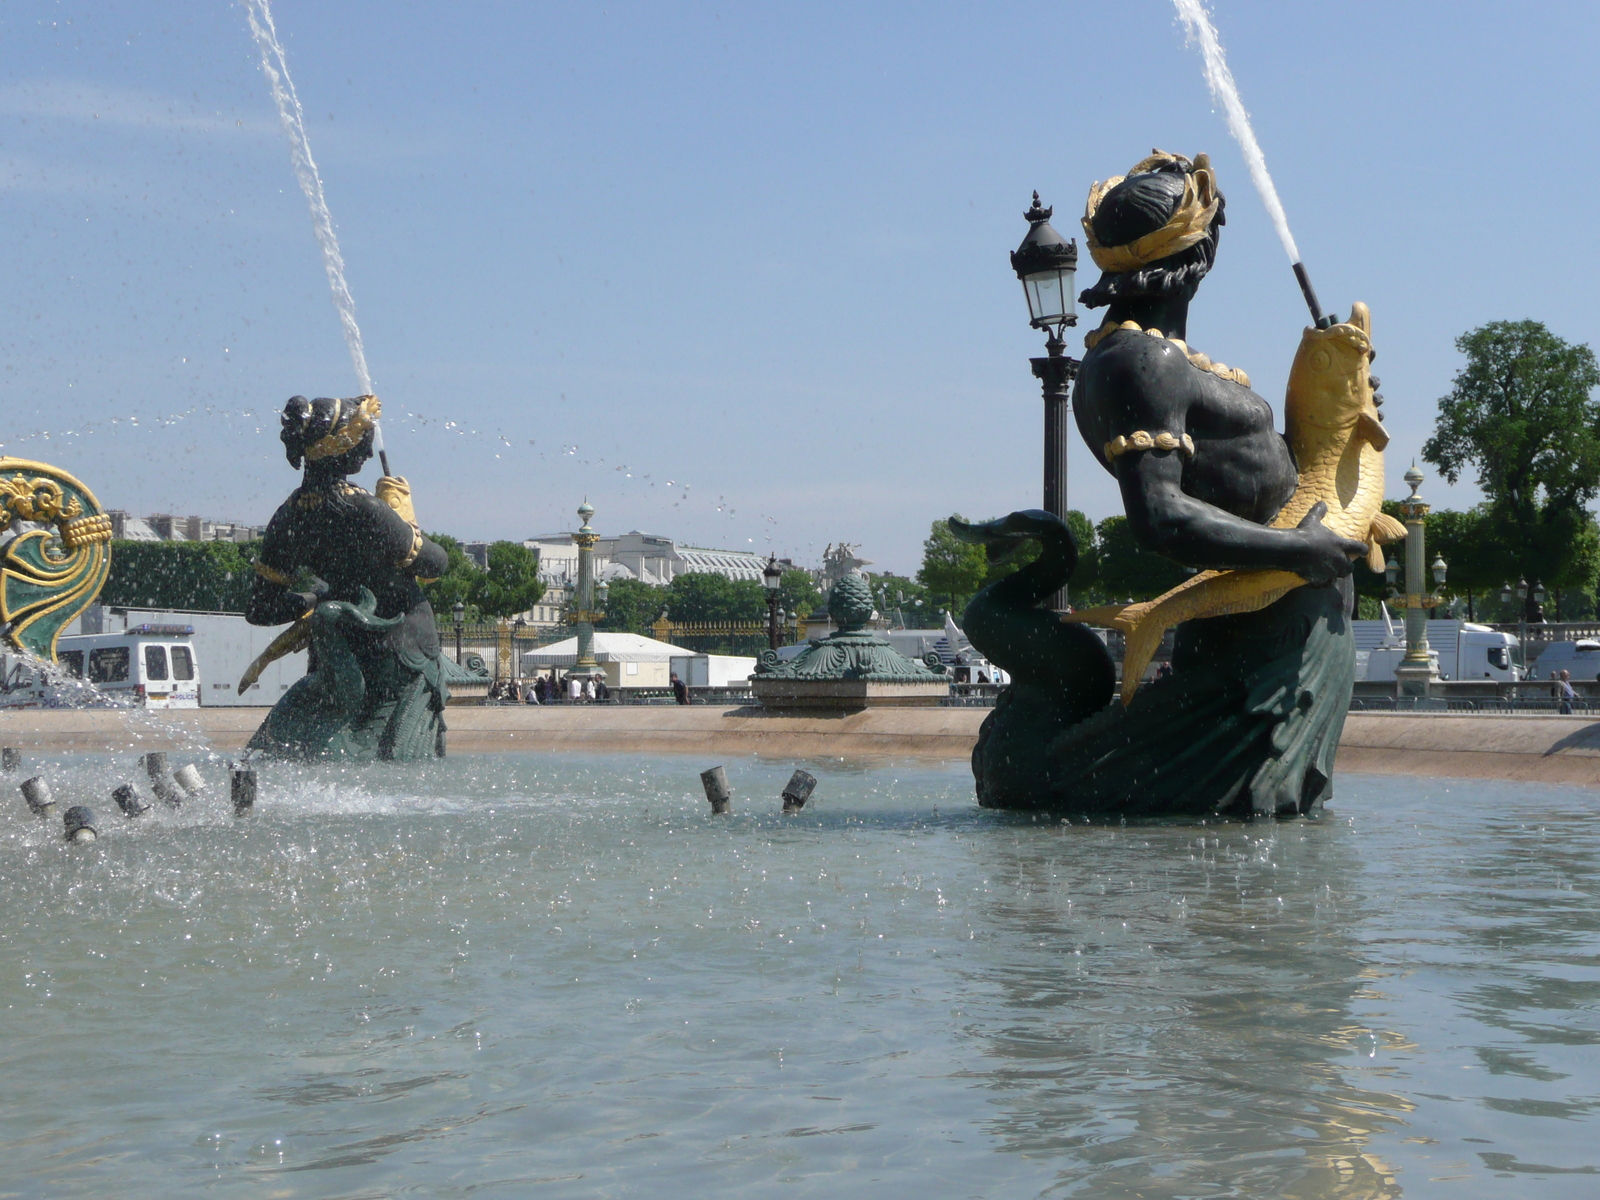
{"x":608,"y":648}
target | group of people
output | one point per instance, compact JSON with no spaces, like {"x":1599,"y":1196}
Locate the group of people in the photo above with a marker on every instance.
{"x":547,"y":689}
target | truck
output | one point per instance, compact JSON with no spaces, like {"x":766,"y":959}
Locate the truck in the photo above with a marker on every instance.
{"x":1581,"y":659}
{"x":1459,"y":649}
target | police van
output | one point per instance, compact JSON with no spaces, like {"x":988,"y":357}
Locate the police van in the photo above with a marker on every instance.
{"x":145,"y":665}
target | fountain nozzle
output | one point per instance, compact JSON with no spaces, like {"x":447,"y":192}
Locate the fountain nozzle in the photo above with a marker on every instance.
{"x":1317,"y":319}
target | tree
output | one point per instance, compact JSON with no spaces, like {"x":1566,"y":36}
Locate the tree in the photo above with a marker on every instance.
{"x":1521,"y":414}
{"x":951,"y":568}
{"x":701,"y":596}
{"x":511,"y":584}
{"x":204,"y":576}
{"x":1127,"y":570}
{"x":632,"y":607}
{"x":797,"y":592}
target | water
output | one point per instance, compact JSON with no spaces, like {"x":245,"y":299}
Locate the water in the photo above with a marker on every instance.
{"x":557,"y":976}
{"x":276,"y":68}
{"x":1226,"y":93}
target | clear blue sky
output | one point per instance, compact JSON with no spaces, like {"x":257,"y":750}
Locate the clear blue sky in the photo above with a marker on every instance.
{"x":755,"y":249}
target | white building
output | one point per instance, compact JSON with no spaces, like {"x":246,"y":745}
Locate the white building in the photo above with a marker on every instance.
{"x":646,"y":557}
{"x":163,"y":527}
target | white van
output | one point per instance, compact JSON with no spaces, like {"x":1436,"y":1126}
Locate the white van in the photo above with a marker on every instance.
{"x":151,"y":665}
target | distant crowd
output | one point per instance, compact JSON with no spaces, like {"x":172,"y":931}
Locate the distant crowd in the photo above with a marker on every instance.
{"x":571,"y":689}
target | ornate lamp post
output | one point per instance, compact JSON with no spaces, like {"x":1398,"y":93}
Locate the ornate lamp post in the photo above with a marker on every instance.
{"x":1416,"y":671}
{"x":516,"y":655}
{"x":584,"y":616}
{"x":771,"y":578}
{"x":1047,"y":264}
{"x":458,"y":614}
{"x":1522,"y":618}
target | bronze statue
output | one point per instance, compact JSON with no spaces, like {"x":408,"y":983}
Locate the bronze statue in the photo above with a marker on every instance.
{"x":344,"y":566}
{"x":1263,"y":665}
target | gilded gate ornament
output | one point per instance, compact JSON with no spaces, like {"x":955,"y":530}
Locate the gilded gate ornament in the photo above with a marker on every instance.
{"x":55,"y":553}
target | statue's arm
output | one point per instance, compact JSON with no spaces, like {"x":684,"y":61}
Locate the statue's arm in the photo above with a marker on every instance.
{"x":272,"y":598}
{"x":1171,"y":522}
{"x":404,"y":544}
{"x":1149,"y":393}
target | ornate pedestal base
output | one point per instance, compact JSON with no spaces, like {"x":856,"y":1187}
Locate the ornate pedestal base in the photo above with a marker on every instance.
{"x":846,"y":695}
{"x":1413,"y":680}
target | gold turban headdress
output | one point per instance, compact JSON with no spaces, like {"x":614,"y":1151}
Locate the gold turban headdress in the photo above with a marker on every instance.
{"x":1187,"y":226}
{"x":346,"y":437}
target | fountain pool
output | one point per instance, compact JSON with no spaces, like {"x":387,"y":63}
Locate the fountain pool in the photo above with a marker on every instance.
{"x":559,"y":976}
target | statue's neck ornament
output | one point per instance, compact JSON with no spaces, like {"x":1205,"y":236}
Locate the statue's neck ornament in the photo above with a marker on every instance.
{"x":1203,"y":362}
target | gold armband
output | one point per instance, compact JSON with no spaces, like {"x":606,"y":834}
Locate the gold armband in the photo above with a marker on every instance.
{"x":1140,"y":440}
{"x":273,"y":576}
{"x":416,"y":548}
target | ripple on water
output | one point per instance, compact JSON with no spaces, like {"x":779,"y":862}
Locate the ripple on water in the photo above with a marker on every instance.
{"x":472,"y":977}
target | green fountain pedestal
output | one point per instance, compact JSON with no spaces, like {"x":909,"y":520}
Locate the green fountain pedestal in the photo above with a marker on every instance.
{"x":851,"y":670}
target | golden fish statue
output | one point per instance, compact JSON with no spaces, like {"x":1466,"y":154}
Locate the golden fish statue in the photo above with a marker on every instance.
{"x":1333,"y":427}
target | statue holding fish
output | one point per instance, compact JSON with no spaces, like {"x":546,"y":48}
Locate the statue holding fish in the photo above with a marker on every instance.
{"x":1263,"y":660}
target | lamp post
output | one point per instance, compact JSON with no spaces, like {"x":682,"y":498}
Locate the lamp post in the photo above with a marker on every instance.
{"x":517,"y":627}
{"x":458,"y":614}
{"x":1047,"y":264}
{"x":1416,"y":672}
{"x":771,"y":578}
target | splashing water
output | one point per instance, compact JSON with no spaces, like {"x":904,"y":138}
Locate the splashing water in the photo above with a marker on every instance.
{"x":276,"y":68}
{"x":1197,"y":22}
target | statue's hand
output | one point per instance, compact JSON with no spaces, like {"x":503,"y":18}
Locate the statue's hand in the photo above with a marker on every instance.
{"x":394,"y":491}
{"x":1324,"y":555}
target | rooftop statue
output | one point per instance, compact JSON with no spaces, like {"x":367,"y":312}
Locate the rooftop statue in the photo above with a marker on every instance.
{"x":345,"y":567}
{"x":1263,"y":662}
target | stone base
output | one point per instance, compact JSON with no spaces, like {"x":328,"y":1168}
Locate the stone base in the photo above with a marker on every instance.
{"x":846,"y":695}
{"x":1413,"y":680}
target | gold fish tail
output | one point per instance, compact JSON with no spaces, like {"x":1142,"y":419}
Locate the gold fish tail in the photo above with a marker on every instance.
{"x":1208,"y":594}
{"x":296,"y":637}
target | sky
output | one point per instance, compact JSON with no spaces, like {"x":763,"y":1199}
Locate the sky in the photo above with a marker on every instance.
{"x":736,"y":274}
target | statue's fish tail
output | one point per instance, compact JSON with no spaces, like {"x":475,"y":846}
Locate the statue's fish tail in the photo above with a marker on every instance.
{"x":1208,"y":594}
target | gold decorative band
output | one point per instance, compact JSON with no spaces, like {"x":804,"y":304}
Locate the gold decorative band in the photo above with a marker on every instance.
{"x":1140,"y":440}
{"x":416,"y":549}
{"x":273,"y":576}
{"x":347,"y":438}
{"x":86,"y":531}
{"x":1220,"y":370}
{"x":1185,"y":227}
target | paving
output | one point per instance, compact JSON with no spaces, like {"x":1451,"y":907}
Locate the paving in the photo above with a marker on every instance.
{"x":1537,"y":748}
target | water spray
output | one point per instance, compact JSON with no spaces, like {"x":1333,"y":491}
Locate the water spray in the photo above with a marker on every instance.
{"x":276,"y":68}
{"x":1226,"y":93}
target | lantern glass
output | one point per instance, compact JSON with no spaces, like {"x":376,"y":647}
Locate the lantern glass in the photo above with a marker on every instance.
{"x":1439,"y":568}
{"x":1391,"y":570}
{"x":1522,"y":589}
{"x":1538,"y":593}
{"x":1505,"y":594}
{"x":1050,"y":296}
{"x":772,"y":575}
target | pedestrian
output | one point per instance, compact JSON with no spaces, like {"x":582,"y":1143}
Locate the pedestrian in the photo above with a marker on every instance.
{"x":588,"y":690}
{"x":602,"y":693}
{"x":532,"y":696}
{"x":1568,"y":692}
{"x":680,"y":690}
{"x":574,"y":689}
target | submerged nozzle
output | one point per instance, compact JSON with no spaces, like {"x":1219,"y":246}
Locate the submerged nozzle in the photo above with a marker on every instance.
{"x":127,"y":799}
{"x":798,"y":790}
{"x":37,"y":793}
{"x":1317,"y":319}
{"x":242,"y":788}
{"x":715,"y":781}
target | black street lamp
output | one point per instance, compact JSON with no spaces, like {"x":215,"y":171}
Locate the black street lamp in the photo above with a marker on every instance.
{"x":517,"y":627}
{"x":771,"y":579}
{"x":458,"y":614}
{"x":1047,"y":264}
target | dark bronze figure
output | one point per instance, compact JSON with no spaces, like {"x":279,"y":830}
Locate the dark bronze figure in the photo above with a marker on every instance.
{"x":1249,"y":719}
{"x":343,"y":565}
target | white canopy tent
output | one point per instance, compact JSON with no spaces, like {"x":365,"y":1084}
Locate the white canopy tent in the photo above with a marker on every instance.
{"x":612,"y":651}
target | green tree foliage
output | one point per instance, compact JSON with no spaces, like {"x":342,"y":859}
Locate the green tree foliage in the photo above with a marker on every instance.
{"x":202,"y":576}
{"x":701,"y":596}
{"x":1125,"y":570}
{"x":797,"y":592}
{"x":951,"y":569}
{"x":510,"y":585}
{"x":1521,"y":414}
{"x":632,"y":607}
